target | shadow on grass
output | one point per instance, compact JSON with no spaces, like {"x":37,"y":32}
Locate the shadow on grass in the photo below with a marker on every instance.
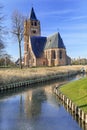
{"x":81,"y":98}
{"x":85,"y":105}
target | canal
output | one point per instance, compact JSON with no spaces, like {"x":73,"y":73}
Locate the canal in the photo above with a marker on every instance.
{"x":35,"y":108}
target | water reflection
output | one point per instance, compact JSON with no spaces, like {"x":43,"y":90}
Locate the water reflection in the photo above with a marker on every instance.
{"x":35,"y":109}
{"x":33,"y":100}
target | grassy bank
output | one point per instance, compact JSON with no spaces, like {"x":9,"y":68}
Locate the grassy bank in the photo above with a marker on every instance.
{"x":11,"y":75}
{"x":77,"y":92}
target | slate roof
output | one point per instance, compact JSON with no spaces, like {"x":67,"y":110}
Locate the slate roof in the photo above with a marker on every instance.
{"x":38,"y":44}
{"x":54,"y":41}
{"x":32,"y":15}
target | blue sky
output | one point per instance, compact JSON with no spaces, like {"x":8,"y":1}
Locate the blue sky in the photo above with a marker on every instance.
{"x":69,"y":17}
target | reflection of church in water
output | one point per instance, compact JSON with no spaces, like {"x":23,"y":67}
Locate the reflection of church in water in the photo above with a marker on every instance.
{"x":33,"y":100}
{"x":42,"y":51}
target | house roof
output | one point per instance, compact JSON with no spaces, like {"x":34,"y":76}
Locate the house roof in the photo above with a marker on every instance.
{"x":38,"y":44}
{"x":32,"y":15}
{"x":54,"y":41}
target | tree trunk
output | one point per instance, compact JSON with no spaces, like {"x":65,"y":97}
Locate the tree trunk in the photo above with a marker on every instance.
{"x":20,"y":55}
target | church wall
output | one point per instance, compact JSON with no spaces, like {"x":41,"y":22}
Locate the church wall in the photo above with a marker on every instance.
{"x":62,"y":61}
{"x":41,"y":62}
{"x":53,"y":57}
{"x":48,"y":55}
{"x":29,"y":57}
{"x":32,"y":58}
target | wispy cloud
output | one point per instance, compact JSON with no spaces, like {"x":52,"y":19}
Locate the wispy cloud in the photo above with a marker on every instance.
{"x":58,"y":12}
{"x":75,"y":27}
{"x":76,"y":18}
{"x":79,"y":35}
{"x":69,"y":28}
{"x":70,"y":0}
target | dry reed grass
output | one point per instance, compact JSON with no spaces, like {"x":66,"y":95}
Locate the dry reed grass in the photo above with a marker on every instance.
{"x":12,"y":75}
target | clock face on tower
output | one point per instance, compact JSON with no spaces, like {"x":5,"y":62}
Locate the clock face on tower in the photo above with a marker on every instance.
{"x":33,"y":31}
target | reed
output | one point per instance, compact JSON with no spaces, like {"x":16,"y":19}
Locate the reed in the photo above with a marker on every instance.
{"x":12,"y":75}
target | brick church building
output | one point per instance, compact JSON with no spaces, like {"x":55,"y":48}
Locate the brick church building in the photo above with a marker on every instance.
{"x":42,"y":51}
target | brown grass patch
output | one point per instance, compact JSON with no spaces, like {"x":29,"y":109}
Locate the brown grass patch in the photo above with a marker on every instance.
{"x":14,"y":75}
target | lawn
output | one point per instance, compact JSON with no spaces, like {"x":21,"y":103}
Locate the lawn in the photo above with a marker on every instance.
{"x":77,"y":92}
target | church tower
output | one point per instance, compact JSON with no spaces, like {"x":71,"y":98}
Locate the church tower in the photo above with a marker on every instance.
{"x":32,"y":25}
{"x":31,"y":28}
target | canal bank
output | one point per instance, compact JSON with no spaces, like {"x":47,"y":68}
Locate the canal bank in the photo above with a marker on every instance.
{"x":15,"y":75}
{"x":74,"y":96}
{"x":38,"y":79}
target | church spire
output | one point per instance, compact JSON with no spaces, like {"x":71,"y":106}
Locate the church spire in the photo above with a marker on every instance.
{"x":32,"y":15}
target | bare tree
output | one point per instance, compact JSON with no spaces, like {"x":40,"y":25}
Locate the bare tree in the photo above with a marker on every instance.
{"x":2,"y":46}
{"x":18,"y":30}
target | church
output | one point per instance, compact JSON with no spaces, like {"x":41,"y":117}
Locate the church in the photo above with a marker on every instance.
{"x":40,"y":50}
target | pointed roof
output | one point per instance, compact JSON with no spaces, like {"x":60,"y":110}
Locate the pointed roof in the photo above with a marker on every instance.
{"x":54,"y":41}
{"x":32,"y":15}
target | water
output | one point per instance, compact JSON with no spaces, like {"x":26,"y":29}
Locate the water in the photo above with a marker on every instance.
{"x":35,"y":108}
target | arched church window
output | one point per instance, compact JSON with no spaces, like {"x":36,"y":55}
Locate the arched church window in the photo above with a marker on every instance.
{"x":60,"y":54}
{"x":53,"y":54}
{"x":35,"y":23}
{"x":32,"y":23}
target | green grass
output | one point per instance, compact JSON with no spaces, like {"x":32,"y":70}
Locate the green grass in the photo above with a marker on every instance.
{"x":77,"y":92}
